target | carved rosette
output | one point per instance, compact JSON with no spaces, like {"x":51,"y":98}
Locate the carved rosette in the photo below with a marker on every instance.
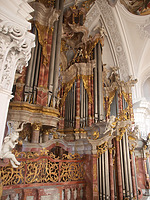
{"x":15,"y":51}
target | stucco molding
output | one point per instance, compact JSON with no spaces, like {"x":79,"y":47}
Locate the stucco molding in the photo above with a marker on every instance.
{"x":15,"y":51}
{"x":102,"y":10}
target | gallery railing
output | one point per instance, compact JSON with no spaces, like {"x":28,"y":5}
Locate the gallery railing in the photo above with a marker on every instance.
{"x":43,"y":167}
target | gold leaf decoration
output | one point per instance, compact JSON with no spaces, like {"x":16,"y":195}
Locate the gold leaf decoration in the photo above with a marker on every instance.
{"x":43,"y":168}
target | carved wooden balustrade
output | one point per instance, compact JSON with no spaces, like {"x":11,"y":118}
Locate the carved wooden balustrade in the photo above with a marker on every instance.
{"x":43,"y":168}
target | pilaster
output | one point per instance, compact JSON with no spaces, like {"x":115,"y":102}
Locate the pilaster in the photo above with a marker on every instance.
{"x":15,"y":48}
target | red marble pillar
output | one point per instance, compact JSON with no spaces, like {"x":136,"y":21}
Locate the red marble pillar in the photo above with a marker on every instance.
{"x":89,"y":104}
{"x":42,"y":94}
{"x":147,"y":183}
{"x":111,"y":176}
{"x":92,"y":93}
{"x":133,"y":175}
{"x":19,"y":93}
{"x":35,"y":132}
{"x":118,"y":171}
{"x":95,"y":181}
{"x":45,"y":135}
{"x":78,"y":103}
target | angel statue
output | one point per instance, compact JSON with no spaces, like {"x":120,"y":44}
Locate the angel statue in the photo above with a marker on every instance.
{"x":10,"y":142}
{"x":110,"y":125}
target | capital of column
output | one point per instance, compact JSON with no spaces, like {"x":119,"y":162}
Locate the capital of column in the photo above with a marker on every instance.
{"x":36,"y":126}
{"x":111,"y":149}
{"x":16,"y":43}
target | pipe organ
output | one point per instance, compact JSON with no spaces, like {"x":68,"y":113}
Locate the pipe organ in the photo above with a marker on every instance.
{"x":72,"y":102}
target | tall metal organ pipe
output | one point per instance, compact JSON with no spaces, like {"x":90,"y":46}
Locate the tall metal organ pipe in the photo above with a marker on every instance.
{"x":52,"y":59}
{"x":57,"y":53}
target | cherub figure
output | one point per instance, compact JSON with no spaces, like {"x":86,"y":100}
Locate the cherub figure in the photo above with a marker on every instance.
{"x":10,"y":142}
{"x":110,"y":125}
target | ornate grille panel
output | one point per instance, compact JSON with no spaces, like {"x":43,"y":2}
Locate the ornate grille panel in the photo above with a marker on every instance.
{"x":43,"y":168}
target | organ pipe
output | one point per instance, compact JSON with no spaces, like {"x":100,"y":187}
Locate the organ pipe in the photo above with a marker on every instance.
{"x":52,"y":59}
{"x":100,"y":84}
{"x":57,"y":53}
{"x":95,"y":86}
{"x":37,"y":72}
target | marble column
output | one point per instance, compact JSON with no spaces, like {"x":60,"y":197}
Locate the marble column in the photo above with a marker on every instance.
{"x":147,"y":182}
{"x":118,"y":168}
{"x":42,"y":92}
{"x":35,"y":132}
{"x":95,"y":181}
{"x":45,"y":135}
{"x":20,"y":82}
{"x":78,"y":103}
{"x":100,"y":176}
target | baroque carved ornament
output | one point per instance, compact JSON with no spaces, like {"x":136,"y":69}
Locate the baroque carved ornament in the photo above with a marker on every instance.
{"x":15,"y":51}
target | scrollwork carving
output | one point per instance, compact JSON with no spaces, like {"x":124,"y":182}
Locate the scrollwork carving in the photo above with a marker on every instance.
{"x":15,"y":47}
